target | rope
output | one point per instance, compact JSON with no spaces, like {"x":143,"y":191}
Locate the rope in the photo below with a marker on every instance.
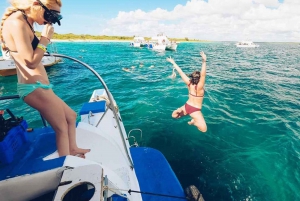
{"x":112,"y":189}
{"x":104,"y":97}
{"x":156,"y":194}
{"x":148,"y":193}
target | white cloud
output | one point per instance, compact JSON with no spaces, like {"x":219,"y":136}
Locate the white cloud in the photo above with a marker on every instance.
{"x":269,"y":3}
{"x":257,"y":20}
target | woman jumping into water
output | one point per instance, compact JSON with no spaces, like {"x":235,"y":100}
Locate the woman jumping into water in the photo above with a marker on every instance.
{"x":195,"y":83}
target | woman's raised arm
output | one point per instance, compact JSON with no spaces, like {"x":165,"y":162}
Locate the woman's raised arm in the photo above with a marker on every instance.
{"x":181,"y":73}
{"x":203,"y":70}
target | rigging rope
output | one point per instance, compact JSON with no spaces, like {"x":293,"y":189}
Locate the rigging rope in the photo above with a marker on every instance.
{"x":148,"y":193}
{"x":105,"y":98}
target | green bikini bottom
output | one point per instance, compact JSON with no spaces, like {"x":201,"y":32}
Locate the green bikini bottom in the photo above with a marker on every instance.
{"x":25,"y":89}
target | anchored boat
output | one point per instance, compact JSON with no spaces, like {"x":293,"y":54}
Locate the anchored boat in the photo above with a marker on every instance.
{"x":138,"y":41}
{"x":246,"y":44}
{"x":162,"y":43}
{"x":116,"y":168}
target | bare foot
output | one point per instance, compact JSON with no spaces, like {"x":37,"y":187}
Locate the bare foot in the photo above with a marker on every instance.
{"x":80,"y":155}
{"x":191,"y":122}
{"x":79,"y":151}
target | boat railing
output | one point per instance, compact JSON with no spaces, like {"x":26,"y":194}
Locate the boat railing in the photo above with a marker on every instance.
{"x":135,"y":143}
{"x":109,"y":96}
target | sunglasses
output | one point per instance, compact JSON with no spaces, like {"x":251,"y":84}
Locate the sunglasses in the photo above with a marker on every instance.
{"x":51,"y":16}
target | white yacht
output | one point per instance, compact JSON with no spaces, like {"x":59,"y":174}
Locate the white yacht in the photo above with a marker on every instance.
{"x":155,"y":45}
{"x":172,"y":45}
{"x":138,"y":41}
{"x":161,"y":42}
{"x":246,"y":44}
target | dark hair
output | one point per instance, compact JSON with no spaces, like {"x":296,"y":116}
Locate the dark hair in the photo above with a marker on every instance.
{"x":195,"y":77}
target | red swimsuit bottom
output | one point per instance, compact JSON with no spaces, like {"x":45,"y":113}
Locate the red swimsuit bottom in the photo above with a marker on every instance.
{"x":190,"y":109}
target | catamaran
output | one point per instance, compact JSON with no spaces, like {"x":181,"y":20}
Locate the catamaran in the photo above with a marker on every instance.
{"x":116,"y":168}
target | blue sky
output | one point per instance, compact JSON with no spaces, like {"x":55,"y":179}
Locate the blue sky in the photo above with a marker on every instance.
{"x":88,"y":15}
{"x":257,"y":20}
{"x":81,"y":16}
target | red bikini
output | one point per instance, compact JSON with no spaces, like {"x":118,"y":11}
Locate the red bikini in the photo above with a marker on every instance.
{"x":190,"y":109}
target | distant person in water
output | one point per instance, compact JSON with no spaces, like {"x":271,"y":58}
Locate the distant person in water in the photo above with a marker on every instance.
{"x":195,"y":84}
{"x":126,"y":69}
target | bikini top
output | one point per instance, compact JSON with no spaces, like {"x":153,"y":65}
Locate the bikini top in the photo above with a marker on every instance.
{"x":195,"y":90}
{"x":35,"y":40}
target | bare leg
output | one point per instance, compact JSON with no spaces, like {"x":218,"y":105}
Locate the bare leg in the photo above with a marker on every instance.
{"x":52,"y":109}
{"x":71,"y":121}
{"x":62,"y":119}
{"x":198,"y":121}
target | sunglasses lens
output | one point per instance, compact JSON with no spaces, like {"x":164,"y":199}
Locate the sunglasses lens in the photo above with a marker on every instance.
{"x":52,"y":17}
{"x":59,"y":17}
{"x":46,"y":16}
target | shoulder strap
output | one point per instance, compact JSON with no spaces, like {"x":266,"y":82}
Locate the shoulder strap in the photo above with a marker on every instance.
{"x":25,"y":17}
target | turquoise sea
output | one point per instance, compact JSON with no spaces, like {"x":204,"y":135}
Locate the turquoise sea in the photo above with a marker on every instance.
{"x":251,"y":150}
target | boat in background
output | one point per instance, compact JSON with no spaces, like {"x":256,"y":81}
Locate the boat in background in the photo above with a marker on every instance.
{"x":246,"y":44}
{"x":172,"y":45}
{"x":161,"y":42}
{"x":155,"y":45}
{"x":7,"y":64}
{"x":116,"y":168}
{"x":138,"y":41}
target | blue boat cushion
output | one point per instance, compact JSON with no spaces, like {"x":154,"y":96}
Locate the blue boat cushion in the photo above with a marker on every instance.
{"x":94,"y":107}
{"x":29,"y":158}
{"x":155,"y":175}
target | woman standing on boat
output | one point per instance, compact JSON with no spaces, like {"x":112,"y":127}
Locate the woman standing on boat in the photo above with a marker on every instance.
{"x":19,"y":39}
{"x":195,"y":83}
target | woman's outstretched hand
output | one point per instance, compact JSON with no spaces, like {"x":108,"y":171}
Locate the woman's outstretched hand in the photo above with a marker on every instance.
{"x":169,"y":59}
{"x":203,"y":56}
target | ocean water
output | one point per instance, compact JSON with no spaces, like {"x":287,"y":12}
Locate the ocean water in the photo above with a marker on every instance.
{"x":251,"y":150}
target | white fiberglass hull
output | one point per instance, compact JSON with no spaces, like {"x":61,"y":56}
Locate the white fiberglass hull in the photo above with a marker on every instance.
{"x":159,"y":47}
{"x":7,"y":66}
{"x":247,"y":45}
{"x":27,"y":187}
{"x":136,"y":44}
{"x":172,"y":46}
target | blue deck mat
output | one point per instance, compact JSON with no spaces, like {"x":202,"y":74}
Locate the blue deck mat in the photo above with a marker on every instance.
{"x":29,"y":159}
{"x":155,"y":175}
